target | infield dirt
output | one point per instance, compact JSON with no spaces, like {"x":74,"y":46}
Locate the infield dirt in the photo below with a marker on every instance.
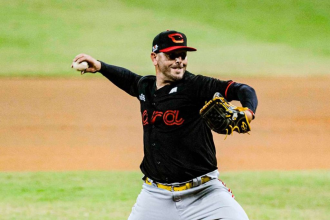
{"x":89,"y":124}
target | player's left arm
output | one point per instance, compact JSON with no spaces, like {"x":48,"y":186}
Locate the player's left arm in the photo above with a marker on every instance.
{"x":206,"y":87}
{"x":245,"y":94}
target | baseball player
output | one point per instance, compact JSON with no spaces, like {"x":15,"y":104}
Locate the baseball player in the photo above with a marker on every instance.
{"x":180,"y":168}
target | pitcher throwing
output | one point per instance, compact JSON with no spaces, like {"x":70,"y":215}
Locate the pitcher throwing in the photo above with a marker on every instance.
{"x":180,"y":167}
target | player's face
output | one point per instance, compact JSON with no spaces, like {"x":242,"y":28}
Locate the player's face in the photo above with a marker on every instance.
{"x":172,"y":64}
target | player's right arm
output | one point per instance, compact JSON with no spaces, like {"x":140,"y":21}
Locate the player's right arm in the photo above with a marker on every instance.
{"x":93,"y":64}
{"x":121,"y":77}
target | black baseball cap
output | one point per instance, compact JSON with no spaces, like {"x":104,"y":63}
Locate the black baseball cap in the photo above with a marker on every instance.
{"x":170,"y":40}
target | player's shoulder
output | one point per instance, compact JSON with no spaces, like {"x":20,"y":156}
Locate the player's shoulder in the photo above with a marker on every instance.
{"x":197,"y":78}
{"x":188,"y":76}
{"x":146,"y":80}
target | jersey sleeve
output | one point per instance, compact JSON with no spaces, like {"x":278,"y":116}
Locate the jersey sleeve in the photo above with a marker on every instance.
{"x":207,"y":86}
{"x":244,"y":93}
{"x":121,"y":77}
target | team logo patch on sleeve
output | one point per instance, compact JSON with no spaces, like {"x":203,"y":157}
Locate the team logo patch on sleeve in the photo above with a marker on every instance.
{"x":142,"y":97}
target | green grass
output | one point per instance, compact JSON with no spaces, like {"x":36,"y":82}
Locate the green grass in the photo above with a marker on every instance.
{"x":110,"y":195}
{"x":40,"y":38}
{"x":68,"y":195}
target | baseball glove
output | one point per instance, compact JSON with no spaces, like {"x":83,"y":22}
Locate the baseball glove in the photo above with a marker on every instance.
{"x":223,"y":117}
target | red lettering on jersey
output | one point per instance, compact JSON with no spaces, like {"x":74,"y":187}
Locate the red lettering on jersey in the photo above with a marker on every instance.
{"x":155,"y":115}
{"x":171,"y":117}
{"x":176,"y":37}
{"x":145,"y":117}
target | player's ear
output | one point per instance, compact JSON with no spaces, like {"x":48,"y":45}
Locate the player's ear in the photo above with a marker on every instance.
{"x":153,"y":57}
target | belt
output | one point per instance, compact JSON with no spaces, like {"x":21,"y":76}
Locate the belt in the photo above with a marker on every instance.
{"x":181,"y":187}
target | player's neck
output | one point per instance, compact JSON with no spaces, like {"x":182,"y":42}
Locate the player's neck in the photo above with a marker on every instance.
{"x":160,"y":85}
{"x":161,"y":80}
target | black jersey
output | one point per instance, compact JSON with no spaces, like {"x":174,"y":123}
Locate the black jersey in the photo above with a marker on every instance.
{"x":178,"y":145}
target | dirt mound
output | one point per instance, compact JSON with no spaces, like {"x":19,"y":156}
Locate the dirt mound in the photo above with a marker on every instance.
{"x":89,"y":124}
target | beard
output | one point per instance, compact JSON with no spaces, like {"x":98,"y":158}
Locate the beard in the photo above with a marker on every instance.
{"x":174,"y":72}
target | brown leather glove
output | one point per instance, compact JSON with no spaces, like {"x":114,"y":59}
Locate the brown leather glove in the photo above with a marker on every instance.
{"x":223,"y":117}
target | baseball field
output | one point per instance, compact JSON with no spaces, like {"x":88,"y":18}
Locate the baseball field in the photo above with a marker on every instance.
{"x":71,"y":145}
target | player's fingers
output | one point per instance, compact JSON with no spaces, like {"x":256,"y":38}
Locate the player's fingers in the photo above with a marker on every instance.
{"x":89,"y":70}
{"x":86,"y":58}
{"x":79,"y":58}
{"x":76,"y":57}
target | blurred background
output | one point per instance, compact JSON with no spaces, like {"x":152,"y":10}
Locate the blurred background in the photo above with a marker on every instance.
{"x":286,"y":37}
